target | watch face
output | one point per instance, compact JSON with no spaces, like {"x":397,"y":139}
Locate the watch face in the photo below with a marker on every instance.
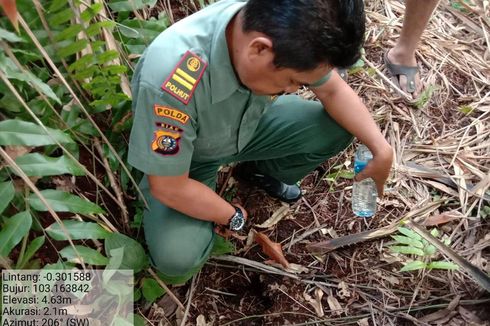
{"x":237,"y":222}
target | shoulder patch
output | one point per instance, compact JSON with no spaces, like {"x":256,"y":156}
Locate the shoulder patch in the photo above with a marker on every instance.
{"x":168,"y":112}
{"x":165,"y":142}
{"x":185,"y":77}
{"x":168,"y":126}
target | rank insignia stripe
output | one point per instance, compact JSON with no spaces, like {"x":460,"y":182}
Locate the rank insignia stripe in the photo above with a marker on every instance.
{"x":185,"y":77}
{"x":171,"y":113}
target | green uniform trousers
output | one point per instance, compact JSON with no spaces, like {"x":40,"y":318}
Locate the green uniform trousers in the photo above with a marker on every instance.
{"x":293,"y":137}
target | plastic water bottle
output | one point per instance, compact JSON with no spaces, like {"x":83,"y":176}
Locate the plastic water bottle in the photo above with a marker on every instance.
{"x":364,"y":192}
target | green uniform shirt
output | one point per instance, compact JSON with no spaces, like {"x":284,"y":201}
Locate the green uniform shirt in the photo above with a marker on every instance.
{"x":188,"y":104}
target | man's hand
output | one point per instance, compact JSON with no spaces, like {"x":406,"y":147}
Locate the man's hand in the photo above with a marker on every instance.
{"x":378,"y":168}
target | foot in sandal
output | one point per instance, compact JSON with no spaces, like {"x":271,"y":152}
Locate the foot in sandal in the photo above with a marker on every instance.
{"x":404,"y":71}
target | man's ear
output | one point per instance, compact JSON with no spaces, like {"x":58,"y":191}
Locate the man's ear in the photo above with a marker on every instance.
{"x":260,"y":47}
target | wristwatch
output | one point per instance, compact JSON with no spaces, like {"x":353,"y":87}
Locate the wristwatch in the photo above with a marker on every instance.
{"x":237,"y":221}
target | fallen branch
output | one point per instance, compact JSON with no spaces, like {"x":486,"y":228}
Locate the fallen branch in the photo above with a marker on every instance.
{"x":348,"y":240}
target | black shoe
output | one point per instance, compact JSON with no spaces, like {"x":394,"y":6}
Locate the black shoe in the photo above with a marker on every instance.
{"x":273,"y":187}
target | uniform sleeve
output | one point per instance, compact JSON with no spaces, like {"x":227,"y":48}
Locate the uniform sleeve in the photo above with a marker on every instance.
{"x":322,"y":81}
{"x":162,"y":135}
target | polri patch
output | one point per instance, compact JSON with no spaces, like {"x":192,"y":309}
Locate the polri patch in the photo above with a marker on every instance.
{"x":165,"y":142}
{"x":185,"y":77}
{"x":168,"y":112}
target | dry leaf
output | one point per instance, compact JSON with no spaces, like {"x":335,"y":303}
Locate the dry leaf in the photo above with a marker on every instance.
{"x":344,"y":290}
{"x":278,"y":215}
{"x":363,"y":322}
{"x":317,"y":302}
{"x":442,"y":218}
{"x":179,"y":315}
{"x":440,"y":314}
{"x":201,"y":321}
{"x":250,"y":240}
{"x":469,"y":316}
{"x":16,"y":151}
{"x":334,"y":305}
{"x":10,"y":9}
{"x":271,"y":249}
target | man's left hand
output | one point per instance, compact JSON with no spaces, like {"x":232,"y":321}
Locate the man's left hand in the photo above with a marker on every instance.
{"x":378,"y":168}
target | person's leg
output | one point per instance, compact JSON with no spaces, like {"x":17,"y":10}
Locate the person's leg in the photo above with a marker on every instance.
{"x":416,"y":18}
{"x":179,"y":245}
{"x":293,"y":137}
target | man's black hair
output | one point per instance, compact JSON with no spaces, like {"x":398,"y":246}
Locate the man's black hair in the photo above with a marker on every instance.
{"x":307,"y":33}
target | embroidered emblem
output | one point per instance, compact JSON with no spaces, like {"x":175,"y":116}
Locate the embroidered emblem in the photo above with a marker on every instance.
{"x":168,"y":112}
{"x":167,"y":126}
{"x":193,"y":64}
{"x":165,"y":142}
{"x":183,"y":80}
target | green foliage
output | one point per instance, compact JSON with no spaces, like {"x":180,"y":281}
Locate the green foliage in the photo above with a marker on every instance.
{"x":13,"y":231}
{"x":134,"y":255}
{"x":484,"y":212}
{"x":414,"y":265}
{"x":337,"y":172}
{"x":119,"y":6}
{"x":425,"y":97}
{"x":152,"y":290}
{"x":76,"y":230}
{"x":83,"y":254}
{"x":36,"y":164}
{"x":9,"y":36}
{"x":32,"y":248}
{"x":411,"y":243}
{"x":458,"y":5}
{"x":91,"y":52}
{"x":222,"y":246}
{"x":13,"y":72}
{"x":7,"y":193}
{"x":61,"y":201}
{"x":466,"y":109}
{"x":137,"y":34}
{"x":18,"y":132}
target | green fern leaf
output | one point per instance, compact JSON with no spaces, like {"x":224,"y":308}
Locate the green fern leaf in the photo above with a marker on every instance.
{"x":414,"y":265}
{"x":409,"y":233}
{"x":407,"y":250}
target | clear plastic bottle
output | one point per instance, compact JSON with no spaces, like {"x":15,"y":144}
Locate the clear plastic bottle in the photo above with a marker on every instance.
{"x":364,"y":192}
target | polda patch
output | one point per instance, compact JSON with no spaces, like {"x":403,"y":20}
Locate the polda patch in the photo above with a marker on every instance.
{"x":185,"y":77}
{"x":165,"y":142}
{"x":171,"y":113}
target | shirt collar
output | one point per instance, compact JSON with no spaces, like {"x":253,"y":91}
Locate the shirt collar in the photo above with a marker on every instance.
{"x":224,"y":81}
